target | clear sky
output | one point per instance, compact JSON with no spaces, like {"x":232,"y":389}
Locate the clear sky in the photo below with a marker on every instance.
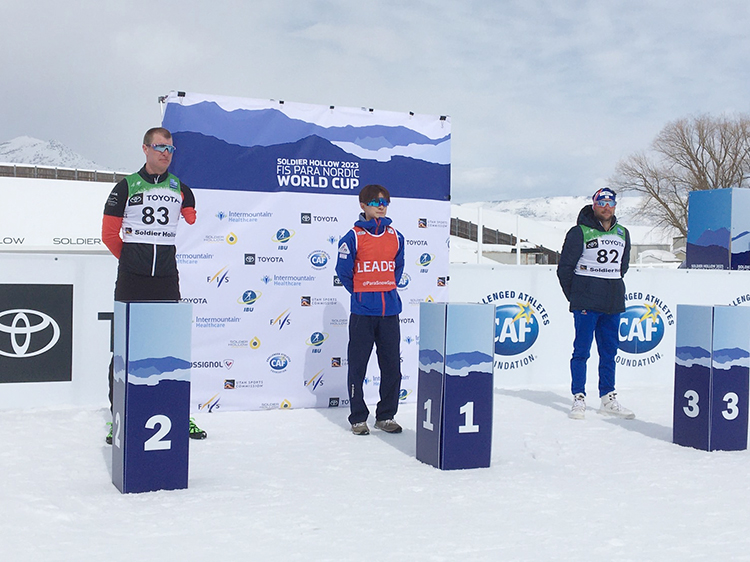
{"x":545,"y":97}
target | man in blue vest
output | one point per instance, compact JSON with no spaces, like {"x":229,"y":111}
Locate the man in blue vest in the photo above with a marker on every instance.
{"x":594,"y":259}
{"x":370,"y":263}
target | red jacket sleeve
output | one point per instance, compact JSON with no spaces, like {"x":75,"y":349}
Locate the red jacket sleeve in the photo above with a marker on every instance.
{"x":189,"y":214}
{"x":111,"y":226}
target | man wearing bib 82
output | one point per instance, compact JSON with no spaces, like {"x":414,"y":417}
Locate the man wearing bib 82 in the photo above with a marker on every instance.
{"x":146,"y":207}
{"x":594,"y":259}
{"x":370,"y":264}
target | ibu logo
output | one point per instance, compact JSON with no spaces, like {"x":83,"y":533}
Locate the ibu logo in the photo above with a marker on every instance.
{"x":248,"y":298}
{"x":278,"y":362}
{"x":641,"y":328}
{"x":516,"y":328}
{"x":425,"y":260}
{"x":319,"y":259}
{"x":283,"y":236}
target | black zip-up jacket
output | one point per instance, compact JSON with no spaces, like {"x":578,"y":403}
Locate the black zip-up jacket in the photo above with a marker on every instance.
{"x":591,"y":293}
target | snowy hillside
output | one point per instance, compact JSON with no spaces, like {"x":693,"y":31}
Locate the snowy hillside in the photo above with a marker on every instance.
{"x":28,"y":150}
{"x":544,"y":221}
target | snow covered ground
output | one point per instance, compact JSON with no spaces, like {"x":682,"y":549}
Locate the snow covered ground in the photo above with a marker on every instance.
{"x":297,"y":485}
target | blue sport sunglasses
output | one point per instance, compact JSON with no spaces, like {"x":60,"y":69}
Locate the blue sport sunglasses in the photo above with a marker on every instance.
{"x":162,"y":147}
{"x":606,"y":203}
{"x":382,"y":202}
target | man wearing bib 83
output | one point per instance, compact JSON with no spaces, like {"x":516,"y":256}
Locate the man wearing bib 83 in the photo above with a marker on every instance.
{"x":370,"y":264}
{"x":594,"y":259}
{"x":146,"y":207}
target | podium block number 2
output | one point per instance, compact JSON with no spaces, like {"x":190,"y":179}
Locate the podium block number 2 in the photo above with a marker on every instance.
{"x":155,"y":442}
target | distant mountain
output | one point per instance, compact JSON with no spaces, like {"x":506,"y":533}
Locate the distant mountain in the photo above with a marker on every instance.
{"x":35,"y":152}
{"x":718,"y":237}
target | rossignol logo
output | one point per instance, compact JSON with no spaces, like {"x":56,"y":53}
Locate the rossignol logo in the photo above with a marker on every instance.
{"x":641,"y":329}
{"x":518,"y":318}
{"x":220,"y":364}
{"x":29,"y":333}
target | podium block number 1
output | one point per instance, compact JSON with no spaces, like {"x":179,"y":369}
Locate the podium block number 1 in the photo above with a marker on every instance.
{"x":468,"y":411}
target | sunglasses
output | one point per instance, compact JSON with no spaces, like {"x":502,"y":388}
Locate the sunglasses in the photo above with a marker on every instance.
{"x":382,"y":202}
{"x":162,"y":147}
{"x":605,"y":203}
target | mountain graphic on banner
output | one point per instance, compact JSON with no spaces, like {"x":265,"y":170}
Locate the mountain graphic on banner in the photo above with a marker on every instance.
{"x":718,"y":237}
{"x":256,"y":168}
{"x":269,"y":127}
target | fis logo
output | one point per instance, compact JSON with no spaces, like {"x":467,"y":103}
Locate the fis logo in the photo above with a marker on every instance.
{"x":516,"y":328}
{"x":282,"y":319}
{"x":210,"y":404}
{"x":220,"y":277}
{"x":316,"y":381}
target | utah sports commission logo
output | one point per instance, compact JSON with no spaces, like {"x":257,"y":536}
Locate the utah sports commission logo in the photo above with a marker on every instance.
{"x":519,"y":317}
{"x":641,"y":329}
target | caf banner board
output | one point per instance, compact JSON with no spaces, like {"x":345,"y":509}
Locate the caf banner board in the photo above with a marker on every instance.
{"x":276,"y":187}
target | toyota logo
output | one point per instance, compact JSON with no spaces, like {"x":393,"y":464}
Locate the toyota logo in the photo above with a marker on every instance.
{"x":22,"y":325}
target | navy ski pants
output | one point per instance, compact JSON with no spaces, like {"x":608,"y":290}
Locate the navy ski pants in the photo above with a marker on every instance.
{"x":383,"y":332}
{"x":588,"y":324}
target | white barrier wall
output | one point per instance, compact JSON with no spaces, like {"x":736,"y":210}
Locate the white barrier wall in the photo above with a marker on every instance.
{"x":532,"y":346}
{"x":92,"y":278}
{"x":534,"y":337}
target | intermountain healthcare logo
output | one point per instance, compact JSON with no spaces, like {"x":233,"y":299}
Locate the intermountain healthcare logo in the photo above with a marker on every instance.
{"x":641,"y":329}
{"x":36,"y":333}
{"x":517,"y":326}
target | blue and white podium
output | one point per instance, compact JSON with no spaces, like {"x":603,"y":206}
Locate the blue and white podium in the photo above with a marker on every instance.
{"x":454,"y":391}
{"x":712,"y":363}
{"x":151,"y":402}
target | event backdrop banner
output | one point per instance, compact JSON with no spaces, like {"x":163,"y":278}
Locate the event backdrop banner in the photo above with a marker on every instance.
{"x":276,"y":187}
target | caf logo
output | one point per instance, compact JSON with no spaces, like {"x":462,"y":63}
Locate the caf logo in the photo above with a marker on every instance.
{"x":641,"y":328}
{"x":516,"y":328}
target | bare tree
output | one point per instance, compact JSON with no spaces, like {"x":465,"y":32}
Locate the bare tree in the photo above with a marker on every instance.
{"x":689,"y":154}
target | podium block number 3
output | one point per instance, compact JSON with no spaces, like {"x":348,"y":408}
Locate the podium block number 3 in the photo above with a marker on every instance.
{"x":468,"y":411}
{"x":155,"y":442}
{"x":692,"y":410}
